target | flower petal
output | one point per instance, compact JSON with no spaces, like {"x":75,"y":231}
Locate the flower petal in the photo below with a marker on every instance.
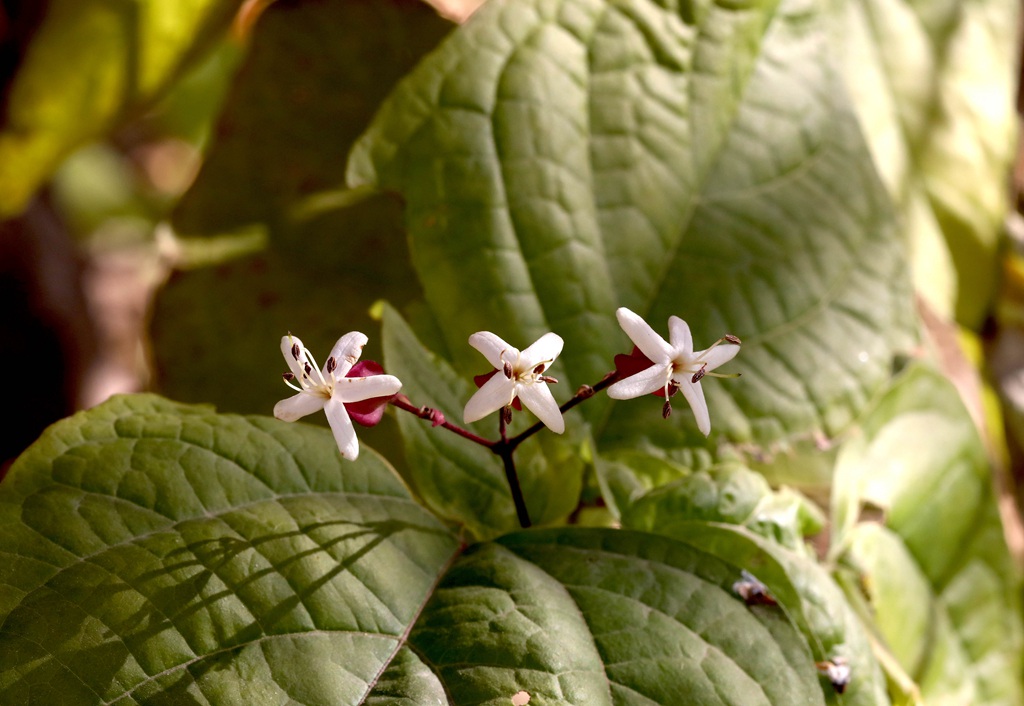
{"x":695,"y":396}
{"x":368,"y":413}
{"x":298,"y":406}
{"x":492,"y":346}
{"x":679,"y":336}
{"x":296,"y":365}
{"x":358,"y":389}
{"x":719,"y":355}
{"x":645,"y":382}
{"x":346,"y":352}
{"x":544,"y":350}
{"x":538,"y":399}
{"x":341,"y":426}
{"x":643,"y":336}
{"x":495,"y":394}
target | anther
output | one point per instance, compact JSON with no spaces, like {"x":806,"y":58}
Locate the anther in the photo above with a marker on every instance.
{"x":666,"y":410}
{"x":506,"y":413}
{"x":331,"y":364}
{"x":735,"y":340}
{"x":295,"y":351}
{"x":308,"y":368}
{"x":288,"y":377}
{"x":539,"y":369}
{"x":548,"y":379}
{"x":507,"y":369}
{"x":699,"y":374}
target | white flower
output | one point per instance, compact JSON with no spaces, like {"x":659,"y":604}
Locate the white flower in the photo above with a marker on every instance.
{"x":517,"y":374}
{"x":329,"y":389}
{"x":675,"y":365}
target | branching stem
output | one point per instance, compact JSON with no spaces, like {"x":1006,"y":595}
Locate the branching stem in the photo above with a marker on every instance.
{"x":504,"y":447}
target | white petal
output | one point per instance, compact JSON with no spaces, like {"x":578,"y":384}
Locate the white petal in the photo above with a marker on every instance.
{"x":643,"y":336}
{"x":719,"y":355}
{"x":298,"y":406}
{"x":295,"y":365}
{"x":495,"y":394}
{"x":543,"y":350}
{"x":679,"y":336}
{"x":538,"y":399}
{"x":643,"y":383}
{"x":359,"y":389}
{"x":492,"y":346}
{"x":346,"y":352}
{"x":344,"y":432}
{"x":695,"y":396}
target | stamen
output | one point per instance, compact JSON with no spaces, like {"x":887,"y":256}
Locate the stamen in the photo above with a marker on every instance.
{"x":331,"y":364}
{"x":666,"y":409}
{"x":539,"y":369}
{"x":727,"y":338}
{"x":548,"y":379}
{"x":700,"y":373}
{"x":288,"y":377}
{"x":308,"y":368}
{"x":295,"y":351}
{"x":507,"y":369}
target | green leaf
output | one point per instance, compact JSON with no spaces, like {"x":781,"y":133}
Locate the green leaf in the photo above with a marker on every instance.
{"x":934,"y":84}
{"x":89,"y":64}
{"x":159,"y":553}
{"x":728,"y":493}
{"x":603,"y":616}
{"x":938,"y":558}
{"x":810,"y":597}
{"x":560,"y":159}
{"x":461,"y":480}
{"x":163,"y":554}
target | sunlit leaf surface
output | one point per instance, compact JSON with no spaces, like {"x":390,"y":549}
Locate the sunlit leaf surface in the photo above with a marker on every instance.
{"x":560,"y":159}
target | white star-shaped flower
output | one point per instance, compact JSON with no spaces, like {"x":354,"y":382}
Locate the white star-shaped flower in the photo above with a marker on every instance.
{"x":517,"y":374}
{"x":674,"y":365}
{"x":331,"y":389}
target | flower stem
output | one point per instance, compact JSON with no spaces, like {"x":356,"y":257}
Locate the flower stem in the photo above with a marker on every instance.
{"x":505,"y":451}
{"x":437,"y":419}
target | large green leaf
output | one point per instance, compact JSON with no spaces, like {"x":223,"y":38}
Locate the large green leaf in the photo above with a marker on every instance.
{"x":158,"y":553}
{"x":939,"y":578}
{"x":934,"y":84}
{"x":163,"y":554}
{"x":560,"y":158}
{"x":89,"y":63}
